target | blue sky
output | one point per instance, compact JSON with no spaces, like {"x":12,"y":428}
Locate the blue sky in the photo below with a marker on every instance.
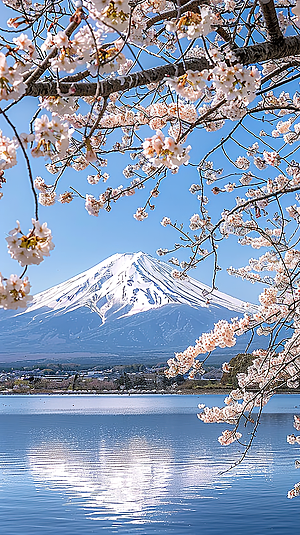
{"x":82,"y":241}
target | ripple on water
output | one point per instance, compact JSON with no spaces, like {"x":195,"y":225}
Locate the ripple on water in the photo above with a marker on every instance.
{"x":139,"y":471}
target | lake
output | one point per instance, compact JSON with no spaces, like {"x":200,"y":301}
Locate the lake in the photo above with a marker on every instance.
{"x":141,"y":465}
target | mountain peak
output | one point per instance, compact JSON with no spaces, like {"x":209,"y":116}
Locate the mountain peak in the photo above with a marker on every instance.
{"x":127,"y":284}
{"x":127,"y":303}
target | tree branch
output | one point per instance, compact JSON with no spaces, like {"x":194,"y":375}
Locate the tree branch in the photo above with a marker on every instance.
{"x":173,"y":13}
{"x":271,"y":20}
{"x":280,"y":69}
{"x":282,"y":48}
{"x":289,"y":46}
{"x":37,"y":73}
{"x":112,"y":85}
{"x":191,"y":5}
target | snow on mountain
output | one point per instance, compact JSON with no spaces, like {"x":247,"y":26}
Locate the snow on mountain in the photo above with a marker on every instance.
{"x":129,"y":303}
{"x":128,"y":284}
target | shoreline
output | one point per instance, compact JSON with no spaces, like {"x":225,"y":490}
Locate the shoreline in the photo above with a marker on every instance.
{"x":204,"y":392}
{"x":115,"y":393}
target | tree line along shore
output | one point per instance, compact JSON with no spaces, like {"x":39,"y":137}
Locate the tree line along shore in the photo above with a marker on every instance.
{"x":132,"y":378}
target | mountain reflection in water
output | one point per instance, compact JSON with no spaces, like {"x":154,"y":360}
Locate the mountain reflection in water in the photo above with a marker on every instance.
{"x":121,"y":477}
{"x":155,"y":473}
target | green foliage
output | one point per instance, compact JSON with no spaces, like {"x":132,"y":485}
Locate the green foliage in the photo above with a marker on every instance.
{"x":239,"y":364}
{"x":199,"y":384}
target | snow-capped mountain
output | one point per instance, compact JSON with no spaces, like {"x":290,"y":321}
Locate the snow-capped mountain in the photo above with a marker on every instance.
{"x":129,"y":302}
{"x":128,"y":284}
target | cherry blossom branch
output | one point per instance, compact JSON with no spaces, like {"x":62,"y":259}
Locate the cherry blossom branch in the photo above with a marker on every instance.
{"x":249,"y":55}
{"x":31,"y":78}
{"x":173,"y":13}
{"x":192,"y":5}
{"x":279,"y":70}
{"x":114,"y":85}
{"x":2,"y":112}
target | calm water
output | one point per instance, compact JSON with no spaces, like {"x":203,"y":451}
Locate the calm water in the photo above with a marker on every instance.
{"x":144,"y":465}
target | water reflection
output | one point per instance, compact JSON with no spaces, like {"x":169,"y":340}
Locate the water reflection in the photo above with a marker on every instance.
{"x":140,"y":473}
{"x":121,"y":477}
{"x":133,"y":475}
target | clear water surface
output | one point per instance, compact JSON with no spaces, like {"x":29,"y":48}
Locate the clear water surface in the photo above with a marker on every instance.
{"x":141,"y":465}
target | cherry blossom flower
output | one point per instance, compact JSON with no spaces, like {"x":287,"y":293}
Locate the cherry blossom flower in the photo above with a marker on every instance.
{"x":228,"y":437}
{"x":30,"y":248}
{"x":66,"y":197}
{"x":193,"y":25}
{"x":164,"y":150}
{"x":52,"y":136}
{"x":93,"y":205}
{"x":14,"y":292}
{"x":11,"y":80}
{"x":242,"y":163}
{"x":140,"y":214}
{"x":24,"y":43}
{"x":165,"y":221}
{"x":8,"y":154}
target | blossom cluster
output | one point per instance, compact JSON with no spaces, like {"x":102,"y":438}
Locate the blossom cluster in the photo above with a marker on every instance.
{"x":156,"y":115}
{"x":114,"y":15}
{"x":232,"y":412}
{"x":52,"y":136}
{"x":32,"y":247}
{"x":232,"y":83}
{"x":268,"y":369}
{"x":228,"y":437}
{"x":191,"y":86}
{"x":84,"y":48}
{"x":61,"y":106}
{"x":8,"y":152}
{"x":228,"y":414}
{"x":223,"y":335}
{"x":233,"y":223}
{"x":25,"y":45}
{"x":236,"y":81}
{"x":193,"y":25}
{"x":196,"y":222}
{"x":93,"y":205}
{"x":11,"y":80}
{"x":164,"y":150}
{"x":47,"y":195}
{"x":283,"y":281}
{"x":14,"y":292}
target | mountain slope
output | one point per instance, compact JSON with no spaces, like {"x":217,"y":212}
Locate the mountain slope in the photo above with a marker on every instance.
{"x":128,"y":284}
{"x":127,"y":303}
